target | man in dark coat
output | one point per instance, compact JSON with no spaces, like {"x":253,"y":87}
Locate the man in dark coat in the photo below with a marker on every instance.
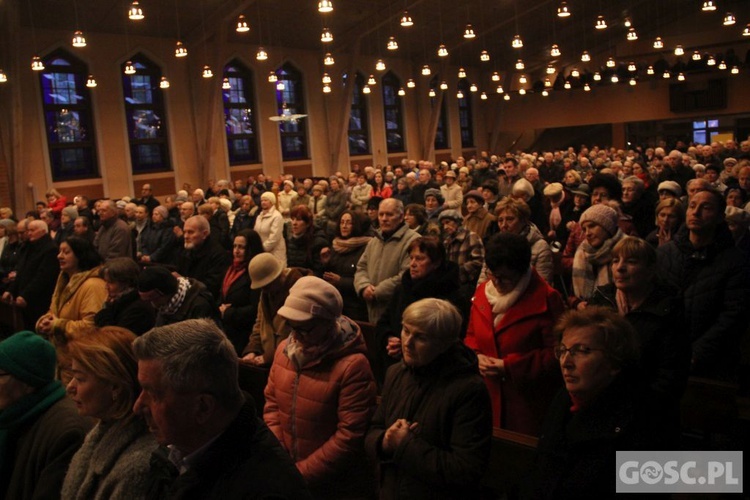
{"x":36,"y":274}
{"x":714,"y":276}
{"x":147,"y":199}
{"x":191,"y":400}
{"x":40,"y":429}
{"x":203,"y":258}
{"x":113,"y":239}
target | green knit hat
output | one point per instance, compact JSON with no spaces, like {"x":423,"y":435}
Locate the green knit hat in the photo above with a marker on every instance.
{"x":29,"y":358}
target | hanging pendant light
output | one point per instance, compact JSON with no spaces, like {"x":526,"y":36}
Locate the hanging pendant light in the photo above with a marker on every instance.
{"x":587,"y":87}
{"x":459,"y":94}
{"x":442,"y":51}
{"x":567,"y":85}
{"x":746,"y":31}
{"x":426,"y":70}
{"x":632,"y":35}
{"x":91,"y":82}
{"x":597,"y":77}
{"x":225,"y":84}
{"x":135,"y":12}
{"x":443,"y":85}
{"x":627,"y":23}
{"x":406,"y":20}
{"x":410,"y":83}
{"x":615,"y":78}
{"x":3,"y":76}
{"x":371,"y":81}
{"x":261,"y":55}
{"x":163,"y":83}
{"x":325,"y":6}
{"x":632,"y":67}
{"x":326,"y":78}
{"x":499,"y":89}
{"x":550,"y":69}
{"x":469,"y":32}
{"x":495,"y":76}
{"x":729,"y":19}
{"x":328,"y":59}
{"x":658,"y":43}
{"x":666,"y":74}
{"x":326,"y":36}
{"x":473,"y":88}
{"x":650,"y":70}
{"x":681,"y":77}
{"x":555,"y":51}
{"x":632,"y":82}
{"x":708,"y":6}
{"x":545,"y":93}
{"x":678,"y":51}
{"x":520,"y":65}
{"x":483,"y":96}
{"x":431,"y":93}
{"x":326,"y":89}
{"x":585,"y":57}
{"x":272,"y":77}
{"x":129,"y":68}
{"x":522,"y":79}
{"x":563,"y":10}
{"x":611,"y":62}
{"x":711,"y":61}
{"x":180,"y":50}
{"x":722,"y":65}
{"x":484,"y":56}
{"x":735,"y":70}
{"x":575,"y":73}
{"x":280,"y":86}
{"x":601,"y":24}
{"x":506,"y":97}
{"x":522,"y":91}
{"x":380,"y":65}
{"x":78,"y":39}
{"x":37,"y":64}
{"x":696,"y":56}
{"x":517,"y":43}
{"x":547,"y":83}
{"x":401,"y":91}
{"x":461,"y":73}
{"x":392,"y":44}
{"x":242,"y":26}
{"x":207,"y":73}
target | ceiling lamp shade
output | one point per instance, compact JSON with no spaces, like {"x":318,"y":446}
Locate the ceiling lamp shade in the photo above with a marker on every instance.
{"x":401,"y":91}
{"x":506,"y":97}
{"x":520,"y":65}
{"x":225,"y":84}
{"x":722,"y":65}
{"x":78,"y":39}
{"x":735,"y":70}
{"x":547,"y":83}
{"x":326,"y":78}
{"x":708,"y":6}
{"x":326,"y":89}
{"x":500,"y":89}
{"x":632,"y":82}
{"x":517,"y":43}
{"x":711,"y":61}
{"x":484,"y":56}
{"x":261,"y":55}
{"x":666,"y":74}
{"x":550,"y":69}
{"x":587,"y":87}
{"x":658,"y":43}
{"x":280,"y":85}
{"x":483,"y":96}
{"x":272,"y":77}
{"x":443,"y":85}
{"x":325,"y":6}
{"x":678,"y":51}
{"x":91,"y":82}
{"x":326,"y":36}
{"x":3,"y":76}
{"x":392,"y":44}
{"x":611,"y":62}
{"x":601,"y":24}
{"x":371,"y":80}
{"x":461,"y":73}
{"x":545,"y":93}
{"x":597,"y":77}
{"x":380,"y":65}
{"x":37,"y":64}
{"x":410,"y":83}
{"x":459,"y":94}
{"x":632,"y":67}
{"x":555,"y":51}
{"x":681,"y":77}
{"x":632,"y":35}
{"x":585,"y":57}
{"x":729,"y":19}
{"x":242,"y":26}
{"x":366,"y":89}
{"x":406,"y":20}
{"x":567,"y":85}
{"x":442,"y":51}
{"x":522,"y":79}
{"x":495,"y":76}
{"x":469,"y":32}
{"x":129,"y":68}
{"x":135,"y":12}
{"x":431,"y":93}
{"x":575,"y":73}
{"x":696,"y":56}
{"x":615,"y":78}
{"x":746,"y":31}
{"x":328,"y":59}
{"x":627,"y":23}
{"x":163,"y":83}
{"x":563,"y":10}
{"x":650,"y":70}
{"x":426,"y":70}
{"x":473,"y":88}
{"x":207,"y":73}
{"x":180,"y":50}
{"x":522,"y":91}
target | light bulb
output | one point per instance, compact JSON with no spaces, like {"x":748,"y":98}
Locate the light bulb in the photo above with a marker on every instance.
{"x":426,"y":70}
{"x":261,"y":55}
{"x":545,"y":93}
{"x":328,"y":60}
{"x":371,"y":80}
{"x":325,"y":6}
{"x":442,"y":51}
{"x":632,"y":82}
{"x":650,"y":70}
{"x":522,"y":91}
{"x":410,"y":83}
{"x":326,"y":78}
{"x":242,"y":26}
{"x":587,"y":87}
{"x":563,"y":10}
{"x":180,"y":50}
{"x":484,"y":56}
{"x":401,"y":91}
{"x":366,"y":89}
{"x":459,"y":94}
{"x":443,"y":85}
{"x":658,"y":43}
{"x":225,"y":84}
{"x":681,"y":77}
{"x":708,"y":6}
{"x":461,"y":73}
{"x":722,"y":65}
{"x":666,"y":74}
{"x":614,"y":79}
{"x":280,"y":85}
{"x":520,"y":65}
{"x":326,"y":89}
{"x":575,"y":73}
{"x":78,"y":39}
{"x":431,"y":93}
{"x":611,"y":62}
{"x":37,"y":64}
{"x":272,"y":77}
{"x":711,"y":61}
{"x":517,"y":43}
{"x":380,"y":65}
{"x":91,"y":82}
{"x":696,"y":56}
{"x":632,"y":35}
{"x":469,"y":32}
{"x":632,"y":67}
{"x":473,"y":88}
{"x":585,"y":57}
{"x":326,"y":36}
{"x":163,"y":83}
{"x":406,"y":20}
{"x":729,"y":19}
{"x":499,"y":89}
{"x":495,"y":77}
{"x":678,"y":51}
{"x":506,"y":97}
{"x":135,"y":12}
{"x":597,"y":77}
{"x":207,"y":73}
{"x":567,"y":85}
{"x":547,"y":82}
{"x":392,"y":44}
{"x":129,"y":68}
{"x":735,"y":70}
{"x":483,"y":96}
{"x":601,"y":24}
{"x":555,"y":51}
{"x":522,"y":79}
{"x":550,"y":69}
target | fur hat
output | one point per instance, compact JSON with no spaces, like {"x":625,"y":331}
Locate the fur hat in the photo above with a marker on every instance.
{"x":451,"y":214}
{"x":29,"y":358}
{"x":311,"y":297}
{"x":436,"y":193}
{"x":602,"y":215}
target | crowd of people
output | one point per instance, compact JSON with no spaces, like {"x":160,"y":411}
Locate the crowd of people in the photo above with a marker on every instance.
{"x":560,"y":295}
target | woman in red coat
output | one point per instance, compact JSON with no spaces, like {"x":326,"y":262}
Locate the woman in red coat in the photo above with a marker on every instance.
{"x":510,"y":328}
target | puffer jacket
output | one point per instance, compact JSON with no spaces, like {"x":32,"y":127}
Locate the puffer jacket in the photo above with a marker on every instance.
{"x":715,"y":282}
{"x":320,"y":414}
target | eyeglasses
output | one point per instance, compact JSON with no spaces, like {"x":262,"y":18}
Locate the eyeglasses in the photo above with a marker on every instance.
{"x":574,"y":350}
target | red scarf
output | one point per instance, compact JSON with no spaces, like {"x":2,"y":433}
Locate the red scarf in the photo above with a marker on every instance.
{"x":238,"y":268}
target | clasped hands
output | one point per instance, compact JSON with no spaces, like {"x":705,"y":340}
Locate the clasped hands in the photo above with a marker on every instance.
{"x":396,"y":434}
{"x":491,"y":367}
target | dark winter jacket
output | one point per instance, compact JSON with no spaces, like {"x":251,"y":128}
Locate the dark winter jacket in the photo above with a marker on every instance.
{"x":207,"y":264}
{"x":128,"y":311}
{"x":345,"y":265}
{"x":197,"y":304}
{"x":238,"y":320}
{"x":36,"y":276}
{"x":158,"y":242}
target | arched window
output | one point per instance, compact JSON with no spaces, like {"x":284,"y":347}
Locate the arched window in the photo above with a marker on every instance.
{"x":67,"y":117}
{"x":359,"y":130}
{"x":145,"y":117}
{"x":465,"y":118}
{"x":441,"y":135}
{"x":290,"y":100}
{"x":392,"y":107}
{"x":239,"y":115}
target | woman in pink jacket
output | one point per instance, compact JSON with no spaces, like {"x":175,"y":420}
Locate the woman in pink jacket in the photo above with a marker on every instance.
{"x":321,"y":393}
{"x":510,"y":329}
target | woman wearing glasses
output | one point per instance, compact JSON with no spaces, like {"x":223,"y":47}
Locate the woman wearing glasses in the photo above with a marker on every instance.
{"x":510,"y":329}
{"x":601,"y":409}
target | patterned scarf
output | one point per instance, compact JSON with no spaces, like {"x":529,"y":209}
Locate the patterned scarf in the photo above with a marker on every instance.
{"x":341,"y":245}
{"x":183,"y":285}
{"x":591,"y":266}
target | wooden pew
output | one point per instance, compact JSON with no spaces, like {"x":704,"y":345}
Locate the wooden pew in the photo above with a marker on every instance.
{"x":511,"y":460}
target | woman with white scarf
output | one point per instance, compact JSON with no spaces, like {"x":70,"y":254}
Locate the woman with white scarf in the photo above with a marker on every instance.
{"x":511,"y":330}
{"x":591,"y":263}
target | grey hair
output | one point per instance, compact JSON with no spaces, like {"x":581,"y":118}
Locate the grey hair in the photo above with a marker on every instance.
{"x":434,"y":316}
{"x":195,"y":355}
{"x":38,"y":223}
{"x":636,"y":182}
{"x":398,"y":205}
{"x":200,"y":222}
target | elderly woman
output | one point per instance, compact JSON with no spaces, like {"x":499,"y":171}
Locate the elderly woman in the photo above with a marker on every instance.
{"x":433,"y":204}
{"x":656,"y":312}
{"x":304,"y":243}
{"x":571,"y":179}
{"x":735,"y":196}
{"x":464,"y":248}
{"x":510,"y":328}
{"x":478,"y":219}
{"x":67,"y":222}
{"x":124,"y":307}
{"x":238,"y":303}
{"x":321,"y":393}
{"x":340,"y":261}
{"x":415,"y":216}
{"x":601,"y":410}
{"x":437,"y":444}
{"x":638,"y":204}
{"x":670,"y":214}
{"x":591,"y":263}
{"x":113,"y":462}
{"x":270,"y":226}
{"x":157,"y":238}
{"x":513,"y":217}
